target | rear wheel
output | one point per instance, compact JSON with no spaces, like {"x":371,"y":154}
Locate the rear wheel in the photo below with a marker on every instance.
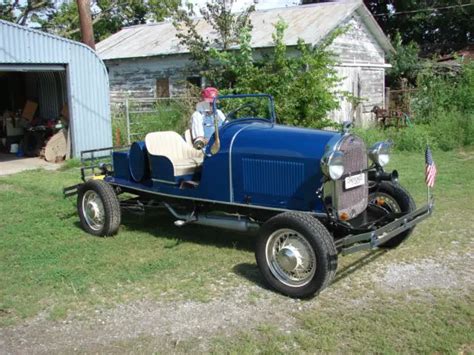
{"x":393,"y":198}
{"x":296,"y":254}
{"x":98,"y":208}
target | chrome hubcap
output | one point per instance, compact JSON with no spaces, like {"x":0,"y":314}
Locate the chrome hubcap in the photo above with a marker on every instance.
{"x":93,"y":208}
{"x":290,"y":257}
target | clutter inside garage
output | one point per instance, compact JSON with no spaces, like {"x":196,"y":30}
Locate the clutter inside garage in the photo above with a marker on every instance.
{"x":34,"y":116}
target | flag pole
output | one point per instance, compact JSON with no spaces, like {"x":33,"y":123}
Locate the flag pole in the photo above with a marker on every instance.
{"x":428,"y":162}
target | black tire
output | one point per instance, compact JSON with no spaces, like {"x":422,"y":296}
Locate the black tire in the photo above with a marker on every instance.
{"x":405,"y":204}
{"x":316,"y":236}
{"x":110,"y":210}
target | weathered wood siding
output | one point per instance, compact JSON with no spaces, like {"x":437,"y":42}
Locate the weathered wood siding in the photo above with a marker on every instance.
{"x":361,"y":68}
{"x":136,"y":78}
{"x":357,"y":44}
{"x":365,"y":83}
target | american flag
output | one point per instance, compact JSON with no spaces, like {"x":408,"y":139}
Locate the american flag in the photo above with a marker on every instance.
{"x":430,"y":168}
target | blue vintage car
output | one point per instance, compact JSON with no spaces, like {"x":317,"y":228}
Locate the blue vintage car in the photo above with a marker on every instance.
{"x":309,"y":194}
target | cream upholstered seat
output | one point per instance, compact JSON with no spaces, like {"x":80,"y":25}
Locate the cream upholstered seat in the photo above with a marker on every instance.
{"x":185,"y":159}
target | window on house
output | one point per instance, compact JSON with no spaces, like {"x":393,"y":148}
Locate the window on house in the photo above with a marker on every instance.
{"x":195,"y":80}
{"x":163,"y":87}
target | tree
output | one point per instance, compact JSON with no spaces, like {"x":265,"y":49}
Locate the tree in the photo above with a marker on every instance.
{"x":108,"y":16}
{"x":437,"y":26}
{"x":226,"y":24}
{"x":21,"y":12}
{"x":406,"y":64}
{"x":303,"y":84}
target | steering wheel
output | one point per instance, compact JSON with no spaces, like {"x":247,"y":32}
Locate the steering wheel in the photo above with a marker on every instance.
{"x":250,"y":105}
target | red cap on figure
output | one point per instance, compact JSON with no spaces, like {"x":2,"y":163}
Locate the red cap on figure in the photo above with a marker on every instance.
{"x":208,"y":94}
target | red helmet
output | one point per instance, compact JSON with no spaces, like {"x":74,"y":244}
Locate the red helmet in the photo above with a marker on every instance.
{"x":208,"y":94}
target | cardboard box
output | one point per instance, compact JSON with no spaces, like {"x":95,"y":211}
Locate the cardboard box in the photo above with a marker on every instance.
{"x":29,"y":110}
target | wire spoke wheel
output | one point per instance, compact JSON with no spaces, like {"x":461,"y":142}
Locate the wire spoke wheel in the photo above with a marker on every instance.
{"x":296,"y":254}
{"x":290,"y":257}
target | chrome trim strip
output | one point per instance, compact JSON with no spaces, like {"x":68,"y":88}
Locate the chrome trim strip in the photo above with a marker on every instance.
{"x":318,"y":214}
{"x":165,"y":182}
{"x":231,"y":185}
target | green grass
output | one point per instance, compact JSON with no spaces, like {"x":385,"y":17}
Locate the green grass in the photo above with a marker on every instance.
{"x":48,"y":264}
{"x":444,"y":325}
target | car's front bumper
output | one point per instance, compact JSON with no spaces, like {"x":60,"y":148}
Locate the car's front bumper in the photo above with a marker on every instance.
{"x":374,"y":238}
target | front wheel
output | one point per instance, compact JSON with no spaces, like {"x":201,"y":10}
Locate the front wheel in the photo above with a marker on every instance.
{"x":296,"y":254}
{"x":393,"y":198}
{"x":98,"y":208}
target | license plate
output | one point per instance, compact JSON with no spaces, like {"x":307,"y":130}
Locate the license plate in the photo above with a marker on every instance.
{"x":354,"y":181}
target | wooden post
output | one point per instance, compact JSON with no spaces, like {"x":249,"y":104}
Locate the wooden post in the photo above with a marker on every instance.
{"x":85,"y":19}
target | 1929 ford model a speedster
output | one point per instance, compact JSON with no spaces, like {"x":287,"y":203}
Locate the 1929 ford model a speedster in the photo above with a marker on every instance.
{"x":310,"y":194}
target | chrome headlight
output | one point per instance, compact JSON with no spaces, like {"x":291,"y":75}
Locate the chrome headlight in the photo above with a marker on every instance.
{"x":379,"y":153}
{"x":332,"y":164}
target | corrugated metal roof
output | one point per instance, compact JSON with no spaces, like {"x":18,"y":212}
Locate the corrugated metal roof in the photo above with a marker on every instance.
{"x":308,"y":22}
{"x":86,"y":80}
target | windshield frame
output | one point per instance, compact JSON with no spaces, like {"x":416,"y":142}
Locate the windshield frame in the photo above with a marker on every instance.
{"x":271,"y":103}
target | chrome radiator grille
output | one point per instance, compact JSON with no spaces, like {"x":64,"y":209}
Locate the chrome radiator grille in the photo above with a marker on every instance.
{"x":352,"y":201}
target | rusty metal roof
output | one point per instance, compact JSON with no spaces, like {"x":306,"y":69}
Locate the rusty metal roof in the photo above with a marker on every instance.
{"x":308,"y":22}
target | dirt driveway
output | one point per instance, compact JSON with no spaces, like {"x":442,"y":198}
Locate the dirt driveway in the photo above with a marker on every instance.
{"x":10,"y":164}
{"x":151,"y":326}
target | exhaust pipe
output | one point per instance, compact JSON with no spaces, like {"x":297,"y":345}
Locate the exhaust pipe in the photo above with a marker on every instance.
{"x":237,"y":223}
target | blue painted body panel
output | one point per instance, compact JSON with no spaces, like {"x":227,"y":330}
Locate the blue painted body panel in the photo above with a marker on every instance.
{"x":121,"y":168}
{"x":259,"y":164}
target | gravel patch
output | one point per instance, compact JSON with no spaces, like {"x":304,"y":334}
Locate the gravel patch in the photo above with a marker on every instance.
{"x":427,"y":274}
{"x":167,"y":323}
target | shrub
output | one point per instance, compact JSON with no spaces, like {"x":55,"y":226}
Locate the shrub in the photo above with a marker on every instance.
{"x":371,"y":135}
{"x":445,"y":102}
{"x":448,"y":129}
{"x":414,"y":138}
{"x":303,"y":81}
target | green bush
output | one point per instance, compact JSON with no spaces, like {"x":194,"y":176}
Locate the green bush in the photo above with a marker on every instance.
{"x":371,"y":135}
{"x":469,"y":131}
{"x":414,"y":138}
{"x":444,"y":101}
{"x":443,"y":113}
{"x":447,"y":130}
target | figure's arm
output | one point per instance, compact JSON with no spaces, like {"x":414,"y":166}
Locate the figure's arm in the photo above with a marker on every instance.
{"x":220,"y":116}
{"x":197,"y":129}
